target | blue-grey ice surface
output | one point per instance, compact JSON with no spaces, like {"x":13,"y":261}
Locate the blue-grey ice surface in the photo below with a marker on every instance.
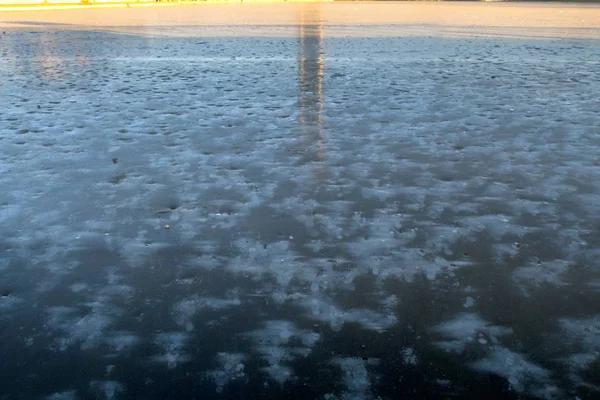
{"x":313,"y":217}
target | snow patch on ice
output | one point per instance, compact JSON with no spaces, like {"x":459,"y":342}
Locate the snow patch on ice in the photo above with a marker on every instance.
{"x":109,"y":390}
{"x":549,"y":272}
{"x":324,"y":310}
{"x":121,"y":341}
{"x":467,"y":329}
{"x":583,"y":337}
{"x":280,"y":342}
{"x":172,"y":348}
{"x":67,"y":395}
{"x":186,"y":309}
{"x":86,"y":330}
{"x":585,"y":332}
{"x":355,"y":377}
{"x":523,"y":375}
{"x":469,"y":302}
{"x":409,"y":356}
{"x":231,"y":367}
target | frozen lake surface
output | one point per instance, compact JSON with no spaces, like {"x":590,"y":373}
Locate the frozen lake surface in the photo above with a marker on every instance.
{"x":305,"y":214}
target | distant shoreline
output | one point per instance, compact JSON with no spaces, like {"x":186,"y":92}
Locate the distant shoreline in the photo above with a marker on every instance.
{"x":542,"y":20}
{"x":6,"y":6}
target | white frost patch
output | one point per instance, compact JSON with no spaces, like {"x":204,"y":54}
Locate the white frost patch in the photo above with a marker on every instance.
{"x":108,"y":389}
{"x":186,"y":309}
{"x":4,"y":263}
{"x":445,"y":383}
{"x":408,"y":263}
{"x":523,"y":375}
{"x":171,"y":344}
{"x":469,"y":302}
{"x":379,"y":255}
{"x":231,"y":367}
{"x":495,"y":225}
{"x":67,"y":395}
{"x":279,"y":342}
{"x":356,"y":378}
{"x":257,"y":259}
{"x":88,"y":328}
{"x":469,"y":328}
{"x":504,"y":250}
{"x":542,"y":273}
{"x":7,"y":302}
{"x":409,"y":357}
{"x":370,"y":319}
{"x":581,"y":361}
{"x":78,"y":287}
{"x":121,"y":341}
{"x":390,"y":302}
{"x":135,"y":251}
{"x":85,"y":329}
{"x":323,"y":310}
{"x":584,"y":335}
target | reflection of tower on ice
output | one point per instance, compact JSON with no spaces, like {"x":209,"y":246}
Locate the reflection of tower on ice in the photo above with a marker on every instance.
{"x":311,"y":66}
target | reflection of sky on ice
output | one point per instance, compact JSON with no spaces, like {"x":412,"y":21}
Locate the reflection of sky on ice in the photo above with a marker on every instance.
{"x":329,"y":218}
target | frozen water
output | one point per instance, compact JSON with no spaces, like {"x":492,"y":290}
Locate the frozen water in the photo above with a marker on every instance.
{"x":468,"y":328}
{"x":469,"y":302}
{"x":68,"y":395}
{"x":231,"y":367}
{"x":583,"y":344}
{"x":171,"y":347}
{"x":409,"y":356}
{"x":279,"y":343}
{"x":523,"y":376}
{"x":108,"y":390}
{"x":356,"y":378}
{"x":542,"y":273}
{"x":187,"y":308}
{"x":299,"y":211}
